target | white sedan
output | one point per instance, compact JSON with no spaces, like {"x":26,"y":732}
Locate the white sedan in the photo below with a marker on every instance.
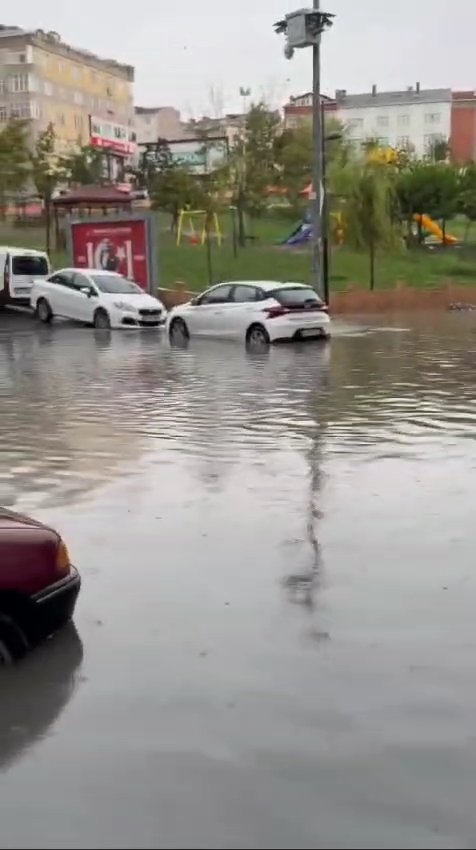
{"x":259,"y":311}
{"x":99,"y":298}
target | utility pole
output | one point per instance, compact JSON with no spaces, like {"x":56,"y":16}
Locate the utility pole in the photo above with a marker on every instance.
{"x":316,"y":277}
{"x":303,"y":28}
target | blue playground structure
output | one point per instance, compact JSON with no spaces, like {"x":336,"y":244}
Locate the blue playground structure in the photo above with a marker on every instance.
{"x":301,"y":234}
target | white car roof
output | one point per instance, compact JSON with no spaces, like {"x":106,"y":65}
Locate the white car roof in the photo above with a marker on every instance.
{"x":265,"y":284}
{"x":86,"y":271}
{"x":9,"y":249}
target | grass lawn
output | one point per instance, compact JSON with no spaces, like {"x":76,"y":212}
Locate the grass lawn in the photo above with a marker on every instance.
{"x":264,"y":258}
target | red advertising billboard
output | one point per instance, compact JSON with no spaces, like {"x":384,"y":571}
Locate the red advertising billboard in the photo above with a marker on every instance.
{"x":121,"y":244}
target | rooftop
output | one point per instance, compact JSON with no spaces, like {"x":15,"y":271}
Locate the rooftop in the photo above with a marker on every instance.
{"x":51,"y":40}
{"x":412,"y":94}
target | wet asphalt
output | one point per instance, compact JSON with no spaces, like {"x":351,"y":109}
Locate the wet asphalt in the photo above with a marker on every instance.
{"x":274,"y":645}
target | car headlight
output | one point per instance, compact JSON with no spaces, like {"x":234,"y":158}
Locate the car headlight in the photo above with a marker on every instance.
{"x":123,"y":305}
{"x":63,"y":561}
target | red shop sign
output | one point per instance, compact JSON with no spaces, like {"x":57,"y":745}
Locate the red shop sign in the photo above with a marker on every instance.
{"x":121,"y":245}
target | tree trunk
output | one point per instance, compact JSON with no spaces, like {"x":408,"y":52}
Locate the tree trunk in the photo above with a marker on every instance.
{"x":241,"y":219}
{"x":209,"y":250}
{"x":48,"y":223}
{"x":372,"y":266}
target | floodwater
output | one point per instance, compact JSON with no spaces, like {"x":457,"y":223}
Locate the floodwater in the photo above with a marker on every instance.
{"x":275,"y":642}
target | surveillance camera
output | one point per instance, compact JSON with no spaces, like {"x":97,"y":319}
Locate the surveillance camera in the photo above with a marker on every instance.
{"x":288,"y":51}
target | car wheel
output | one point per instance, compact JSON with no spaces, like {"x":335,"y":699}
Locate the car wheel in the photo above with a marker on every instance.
{"x":44,"y":311}
{"x":178,"y":332}
{"x":102,"y":321}
{"x":257,"y":337}
{"x":13,"y":642}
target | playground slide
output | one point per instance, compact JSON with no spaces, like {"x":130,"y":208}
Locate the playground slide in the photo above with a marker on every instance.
{"x":434,"y":228}
{"x":300,"y":235}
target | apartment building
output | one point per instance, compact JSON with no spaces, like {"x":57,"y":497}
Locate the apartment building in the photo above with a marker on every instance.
{"x":414,"y":117}
{"x":88,"y":99}
{"x":157,"y":122}
{"x":463,"y":127}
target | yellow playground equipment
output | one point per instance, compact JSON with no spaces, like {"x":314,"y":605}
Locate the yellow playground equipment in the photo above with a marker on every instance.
{"x":186,"y":227}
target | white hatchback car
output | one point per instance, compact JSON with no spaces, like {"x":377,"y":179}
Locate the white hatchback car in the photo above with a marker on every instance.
{"x":259,"y":311}
{"x":99,"y":298}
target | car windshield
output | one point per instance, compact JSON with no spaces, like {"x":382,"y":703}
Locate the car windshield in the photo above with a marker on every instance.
{"x":297,"y":296}
{"x":115,"y":284}
{"x":29,"y":264}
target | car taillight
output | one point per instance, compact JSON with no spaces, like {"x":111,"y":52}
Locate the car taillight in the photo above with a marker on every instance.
{"x":63,"y":561}
{"x":276,"y":312}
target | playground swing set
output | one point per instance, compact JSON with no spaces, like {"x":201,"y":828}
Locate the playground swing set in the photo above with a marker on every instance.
{"x":197,"y":235}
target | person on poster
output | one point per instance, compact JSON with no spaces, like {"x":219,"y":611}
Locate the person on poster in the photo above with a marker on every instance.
{"x":108,"y":259}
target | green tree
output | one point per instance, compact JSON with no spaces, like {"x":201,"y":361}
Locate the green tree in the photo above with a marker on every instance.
{"x":14,"y":160}
{"x":48,"y":171}
{"x":427,"y":188}
{"x":368,"y":210}
{"x":467,"y":195}
{"x":84,"y":166}
{"x":173,"y":189}
{"x":293,"y":157}
{"x":252,"y":164}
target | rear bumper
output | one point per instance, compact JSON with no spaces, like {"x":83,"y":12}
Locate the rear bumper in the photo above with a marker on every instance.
{"x":283,"y":328}
{"x":55,"y":604}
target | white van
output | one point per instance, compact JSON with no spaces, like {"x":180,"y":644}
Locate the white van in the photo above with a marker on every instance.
{"x":19,"y":267}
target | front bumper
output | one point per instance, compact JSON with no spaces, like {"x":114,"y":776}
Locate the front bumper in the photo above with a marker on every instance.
{"x":128,"y":321}
{"x":55,"y":605}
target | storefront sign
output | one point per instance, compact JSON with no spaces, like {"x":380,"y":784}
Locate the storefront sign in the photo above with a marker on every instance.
{"x":110,"y":136}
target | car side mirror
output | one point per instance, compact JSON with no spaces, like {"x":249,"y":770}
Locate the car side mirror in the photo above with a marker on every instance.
{"x":86,"y":290}
{"x":194,"y":302}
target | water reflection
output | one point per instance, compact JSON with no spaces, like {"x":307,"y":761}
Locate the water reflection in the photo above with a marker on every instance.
{"x":34,"y":693}
{"x":223,"y":506}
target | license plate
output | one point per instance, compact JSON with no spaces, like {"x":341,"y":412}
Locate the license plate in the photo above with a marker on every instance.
{"x":152,"y":320}
{"x":311,"y":332}
{"x":22,"y":290}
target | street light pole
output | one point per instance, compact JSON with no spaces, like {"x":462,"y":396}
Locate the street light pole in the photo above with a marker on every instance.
{"x":325,"y":213}
{"x":304,"y":28}
{"x":316,"y":277}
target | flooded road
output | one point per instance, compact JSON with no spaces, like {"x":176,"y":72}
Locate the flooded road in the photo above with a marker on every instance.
{"x":275,"y":641}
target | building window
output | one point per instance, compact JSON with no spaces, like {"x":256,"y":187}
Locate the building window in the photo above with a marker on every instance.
{"x":432,"y":139}
{"x":48,"y":88}
{"x":383,"y":141}
{"x":19,"y":82}
{"x":61,"y":67}
{"x":403,"y":141}
{"x":3,"y":86}
{"x":78,"y":123}
{"x":432,"y":118}
{"x":382,"y":120}
{"x":78,"y":97}
{"x":76,"y":72}
{"x":20,"y":110}
{"x":403,"y":120}
{"x":60,"y":119}
{"x":3,"y":113}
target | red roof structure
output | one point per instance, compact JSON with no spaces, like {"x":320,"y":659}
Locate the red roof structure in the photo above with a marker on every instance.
{"x":93,"y":197}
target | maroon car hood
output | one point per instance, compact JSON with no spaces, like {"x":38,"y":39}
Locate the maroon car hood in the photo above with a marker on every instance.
{"x":27,"y":553}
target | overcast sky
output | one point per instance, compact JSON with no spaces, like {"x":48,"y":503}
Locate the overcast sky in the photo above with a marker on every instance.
{"x":182,"y":49}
